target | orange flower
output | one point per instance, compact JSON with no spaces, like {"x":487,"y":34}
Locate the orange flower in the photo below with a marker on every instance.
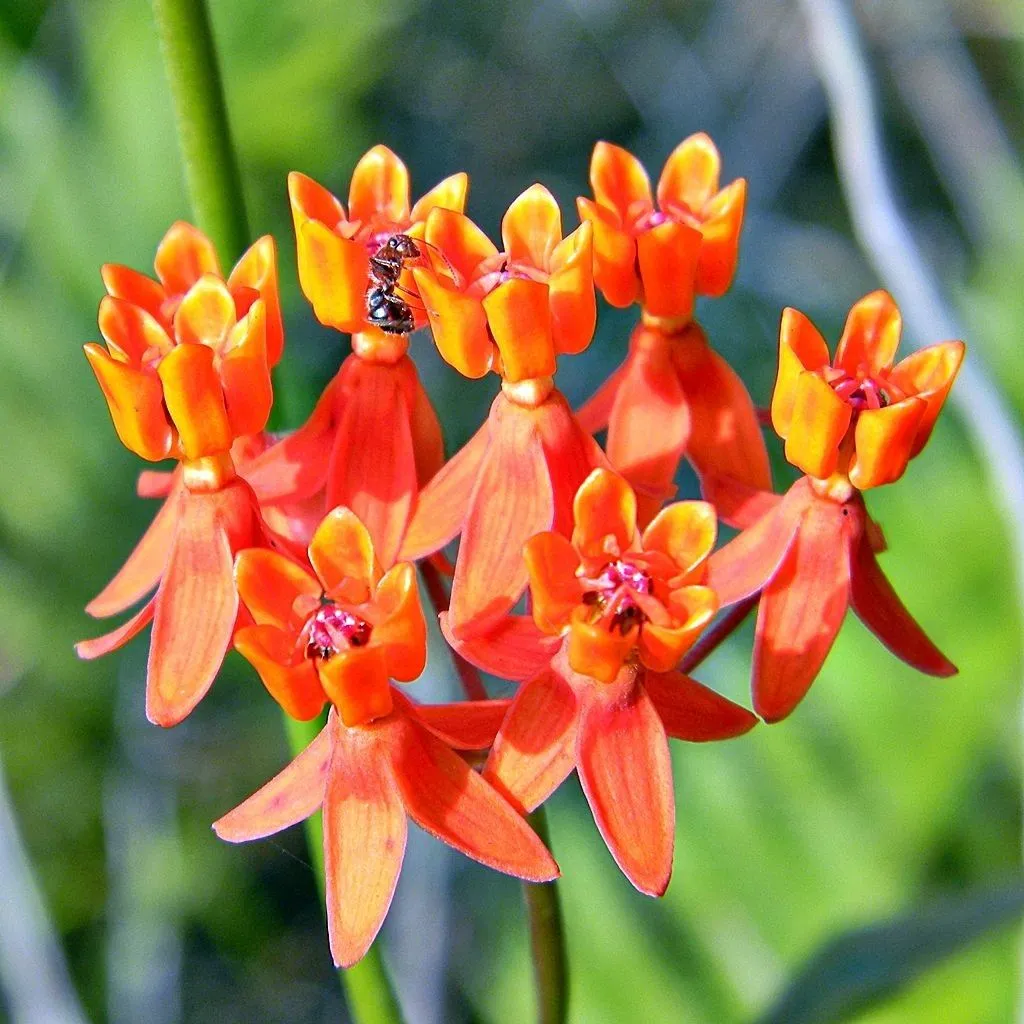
{"x":660,"y":255}
{"x":858,"y":416}
{"x":675,"y":397}
{"x":512,"y":311}
{"x":184,"y":255}
{"x":811,"y":557}
{"x":334,"y":249}
{"x":190,"y":393}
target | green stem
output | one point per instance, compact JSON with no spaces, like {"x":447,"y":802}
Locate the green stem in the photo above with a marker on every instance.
{"x":211,"y":168}
{"x":547,"y":939}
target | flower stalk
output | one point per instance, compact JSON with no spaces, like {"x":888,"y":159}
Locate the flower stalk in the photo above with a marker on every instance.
{"x":547,"y":939}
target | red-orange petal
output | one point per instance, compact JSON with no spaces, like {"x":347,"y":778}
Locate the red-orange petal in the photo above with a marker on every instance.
{"x":183,"y":256}
{"x":819,"y":422}
{"x":427,"y":437}
{"x":626,"y":774}
{"x":736,"y":503}
{"x":125,"y":283}
{"x":532,"y":227}
{"x":513,"y":648}
{"x":379,"y":190}
{"x":594,"y":413}
{"x":469,"y":725}
{"x":555,"y":591}
{"x":195,"y":400}
{"x":196,"y":605}
{"x":619,"y":181}
{"x":445,"y":797}
{"x":341,"y":552}
{"x":693,"y":712}
{"x":883,"y":441}
{"x":364,"y":840}
{"x":801,"y":348}
{"x":257,"y":269}
{"x":690,"y":175}
{"x":720,"y":245}
{"x":871,"y":335}
{"x":929,"y":374}
{"x":519,"y":319}
{"x":96,"y":647}
{"x":270,"y":584}
{"x":800,"y":613}
{"x":685,"y":531}
{"x":289,"y":678}
{"x":289,"y":797}
{"x":667,"y":256}
{"x":614,"y":254}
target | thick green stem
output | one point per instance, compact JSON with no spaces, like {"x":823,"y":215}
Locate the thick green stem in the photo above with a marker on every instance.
{"x":547,"y":939}
{"x":211,"y":168}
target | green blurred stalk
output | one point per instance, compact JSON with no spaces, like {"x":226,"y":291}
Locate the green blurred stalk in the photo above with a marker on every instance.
{"x":547,"y":939}
{"x":215,"y":189}
{"x":211,"y":167}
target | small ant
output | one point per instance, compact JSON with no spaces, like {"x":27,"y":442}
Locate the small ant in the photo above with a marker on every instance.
{"x":384,"y":309}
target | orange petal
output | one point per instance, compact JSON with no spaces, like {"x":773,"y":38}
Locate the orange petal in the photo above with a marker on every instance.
{"x":883,"y":441}
{"x":615,"y":270}
{"x":692,"y":712}
{"x":270,"y":584}
{"x":449,"y":194}
{"x":364,"y":841}
{"x":662,"y":647}
{"x":464,"y":245}
{"x":929,"y":374}
{"x":619,"y":181}
{"x":458,"y":325}
{"x":571,"y":292}
{"x":195,"y":611}
{"x":605,"y":516}
{"x":334,"y":273}
{"x":130,"y":285}
{"x":88,"y":650}
{"x":819,"y":422}
{"x":747,"y":562}
{"x":206,"y":314}
{"x":720,"y":248}
{"x":519,"y":318}
{"x":532,"y":227}
{"x":135,"y":401}
{"x":445,"y":797}
{"x":341,"y":553}
{"x":685,"y":532}
{"x":288,"y":798}
{"x":470,"y":725}
{"x":871,"y":335}
{"x":257,"y":269}
{"x":690,"y":175}
{"x":356,"y":683}
{"x":626,"y":774}
{"x":596,"y":651}
{"x":245,"y":374}
{"x":511,"y":501}
{"x":879,"y":607}
{"x":379,"y":190}
{"x":667,"y":256}
{"x":800,"y":613}
{"x":535,"y":749}
{"x":649,"y":422}
{"x":183,"y":256}
{"x":373,"y":468}
{"x":555,"y":591}
{"x":402,"y":630}
{"x":801,"y":348}
{"x":441,"y":506}
{"x":725,"y":436}
{"x":194,"y":398}
{"x":513,"y":648}
{"x":311,"y":201}
{"x":292,"y":683}
{"x":130,"y":331}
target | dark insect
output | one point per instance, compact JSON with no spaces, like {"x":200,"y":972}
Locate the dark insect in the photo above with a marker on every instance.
{"x":384,"y":309}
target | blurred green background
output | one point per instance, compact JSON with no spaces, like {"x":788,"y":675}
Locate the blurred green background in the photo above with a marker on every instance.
{"x":888,"y":799}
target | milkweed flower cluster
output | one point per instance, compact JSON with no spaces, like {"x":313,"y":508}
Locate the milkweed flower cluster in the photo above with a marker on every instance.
{"x":301,"y":550}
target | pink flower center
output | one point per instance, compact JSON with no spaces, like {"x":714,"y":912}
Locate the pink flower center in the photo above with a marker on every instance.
{"x":618,"y":593}
{"x":862,"y":392}
{"x":332,"y":629}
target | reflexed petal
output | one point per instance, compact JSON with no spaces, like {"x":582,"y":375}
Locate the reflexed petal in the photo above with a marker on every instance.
{"x":341,"y":552}
{"x":183,"y":256}
{"x":513,"y":648}
{"x":667,"y":256}
{"x":245,"y":374}
{"x":427,"y":438}
{"x":440,"y":507}
{"x":519,"y":318}
{"x":605,"y":516}
{"x":626,"y":774}
{"x":819,"y":423}
{"x":333,"y":273}
{"x":142,"y":569}
{"x":289,"y":678}
{"x":879,"y":607}
{"x":929,"y":374}
{"x":571,"y":292}
{"x":364,"y":841}
{"x":801,"y":348}
{"x":133,"y":287}
{"x":469,"y":725}
{"x":195,"y":611}
{"x":801,"y":610}
{"x":379,"y":190}
{"x":690,"y":175}
{"x":257,"y":269}
{"x":449,"y":194}
{"x":135,"y":401}
{"x":690,"y":711}
{"x":356,"y":683}
{"x":206,"y":313}
{"x":154,"y":483}
{"x":735,"y":503}
{"x":883,"y":441}
{"x":596,"y":651}
{"x":555,"y":591}
{"x":87,"y":650}
{"x":288,"y":798}
{"x":720,"y":248}
{"x":871,"y":335}
{"x":458,"y":324}
{"x":535,"y":749}
{"x":511,"y":501}
{"x":129,"y":329}
{"x":532,"y":227}
{"x":444,"y":796}
{"x":614,"y":255}
{"x":685,"y":531}
{"x":593,"y":415}
{"x":619,"y":181}
{"x":270,"y":584}
{"x":194,"y":398}
{"x":402,"y":630}
{"x":661,"y":647}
